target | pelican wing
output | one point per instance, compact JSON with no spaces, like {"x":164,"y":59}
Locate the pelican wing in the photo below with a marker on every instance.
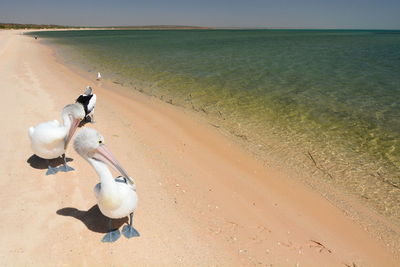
{"x":92,"y":103}
{"x":88,"y":102}
{"x":126,"y":180}
{"x":47,"y":133}
{"x":48,"y":139}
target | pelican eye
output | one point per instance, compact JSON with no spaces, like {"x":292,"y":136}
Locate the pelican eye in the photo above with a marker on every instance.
{"x":100,"y":142}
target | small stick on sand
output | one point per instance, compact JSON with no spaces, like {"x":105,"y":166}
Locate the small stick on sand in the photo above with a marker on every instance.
{"x":321,"y":247}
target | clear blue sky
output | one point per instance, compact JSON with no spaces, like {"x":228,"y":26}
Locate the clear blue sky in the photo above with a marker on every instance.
{"x":220,"y":13}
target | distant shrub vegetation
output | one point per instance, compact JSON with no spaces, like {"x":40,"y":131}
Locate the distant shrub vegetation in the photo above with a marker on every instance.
{"x":145,"y":27}
{"x":29,"y":26}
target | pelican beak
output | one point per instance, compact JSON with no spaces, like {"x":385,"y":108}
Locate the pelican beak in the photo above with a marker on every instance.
{"x":106,"y":154}
{"x":75,"y":124}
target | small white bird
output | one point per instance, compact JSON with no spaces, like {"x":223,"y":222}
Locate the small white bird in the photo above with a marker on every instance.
{"x":117,"y":197}
{"x":49,"y":140}
{"x":88,"y":101}
{"x":98,"y":76}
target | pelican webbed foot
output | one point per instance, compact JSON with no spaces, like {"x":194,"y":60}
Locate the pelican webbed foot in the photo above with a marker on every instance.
{"x":111,"y":236}
{"x":129,"y":232}
{"x":66,"y":168}
{"x":50,"y":170}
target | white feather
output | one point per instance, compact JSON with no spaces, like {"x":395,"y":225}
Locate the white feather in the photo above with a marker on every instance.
{"x":48,"y":138}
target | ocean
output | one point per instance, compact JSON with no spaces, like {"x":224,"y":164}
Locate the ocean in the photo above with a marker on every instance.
{"x":325,"y":102}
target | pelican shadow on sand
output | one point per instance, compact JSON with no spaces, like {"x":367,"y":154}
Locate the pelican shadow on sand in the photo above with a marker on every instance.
{"x":93,"y":219}
{"x":39,"y":163}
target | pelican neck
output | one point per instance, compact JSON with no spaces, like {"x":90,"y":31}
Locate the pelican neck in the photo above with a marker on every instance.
{"x":107,"y":181}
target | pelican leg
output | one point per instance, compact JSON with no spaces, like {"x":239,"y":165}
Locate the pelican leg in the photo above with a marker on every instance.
{"x":128,"y":231}
{"x":50,"y":170}
{"x":112,"y":235}
{"x":65,"y":167}
{"x":91,"y":116}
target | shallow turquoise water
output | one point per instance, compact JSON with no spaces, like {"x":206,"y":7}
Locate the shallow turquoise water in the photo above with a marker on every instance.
{"x":329,"y":99}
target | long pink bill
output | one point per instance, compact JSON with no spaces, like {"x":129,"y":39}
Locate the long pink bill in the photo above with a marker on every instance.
{"x":106,"y":154}
{"x":75,"y":124}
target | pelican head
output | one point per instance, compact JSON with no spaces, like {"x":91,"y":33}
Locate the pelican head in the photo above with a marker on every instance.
{"x":75,"y":110}
{"x":90,"y":145}
{"x":88,"y":90}
{"x":87,"y":141}
{"x":72,"y":115}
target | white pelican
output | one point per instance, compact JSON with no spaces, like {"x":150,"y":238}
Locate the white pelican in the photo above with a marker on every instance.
{"x":49,"y":140}
{"x":88,"y":101}
{"x":117,"y":197}
{"x":98,"y":76}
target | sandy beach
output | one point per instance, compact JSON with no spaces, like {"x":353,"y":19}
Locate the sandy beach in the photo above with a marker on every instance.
{"x":203,"y":200}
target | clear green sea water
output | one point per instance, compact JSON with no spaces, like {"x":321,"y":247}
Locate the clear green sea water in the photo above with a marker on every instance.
{"x":326,"y":101}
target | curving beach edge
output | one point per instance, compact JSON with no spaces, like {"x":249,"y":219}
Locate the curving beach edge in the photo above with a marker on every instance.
{"x":203,"y":200}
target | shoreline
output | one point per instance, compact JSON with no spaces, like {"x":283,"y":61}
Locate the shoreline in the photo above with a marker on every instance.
{"x":204,"y":201}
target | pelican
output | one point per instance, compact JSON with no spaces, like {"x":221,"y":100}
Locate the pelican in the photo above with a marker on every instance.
{"x":88,"y":101}
{"x":49,"y":140}
{"x":98,"y":76}
{"x":117,"y":197}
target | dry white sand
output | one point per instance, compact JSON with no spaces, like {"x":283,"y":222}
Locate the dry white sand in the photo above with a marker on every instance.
{"x":203,"y":200}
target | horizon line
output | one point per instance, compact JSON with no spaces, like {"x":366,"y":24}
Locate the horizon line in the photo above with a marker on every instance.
{"x":194,"y":27}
